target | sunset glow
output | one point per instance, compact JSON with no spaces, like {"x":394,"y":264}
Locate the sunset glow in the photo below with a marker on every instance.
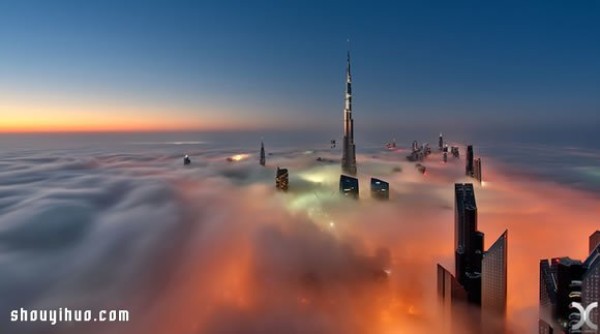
{"x":305,"y":167}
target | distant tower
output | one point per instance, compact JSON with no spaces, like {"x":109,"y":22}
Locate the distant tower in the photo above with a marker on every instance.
{"x":477,"y":170}
{"x":469,"y":167}
{"x":349,"y":186}
{"x":263,"y":159}
{"x":380,"y":189}
{"x":441,"y":142}
{"x":282,"y":179}
{"x":349,"y":153}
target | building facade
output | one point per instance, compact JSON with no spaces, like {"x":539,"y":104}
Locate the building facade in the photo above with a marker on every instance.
{"x":380,"y":189}
{"x":349,"y":186}
{"x":560,"y":286}
{"x":282,"y":179}
{"x":590,"y":287}
{"x":494,"y":283}
{"x":468,"y":242}
{"x":594,"y":241}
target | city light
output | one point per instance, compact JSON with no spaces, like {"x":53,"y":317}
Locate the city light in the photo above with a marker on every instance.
{"x":238,"y":157}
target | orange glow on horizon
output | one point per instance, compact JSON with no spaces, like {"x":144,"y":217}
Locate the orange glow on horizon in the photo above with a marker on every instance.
{"x":103,"y":117}
{"x":120,"y":124}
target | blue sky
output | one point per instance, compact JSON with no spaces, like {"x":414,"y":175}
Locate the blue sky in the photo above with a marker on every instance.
{"x":281,"y":63}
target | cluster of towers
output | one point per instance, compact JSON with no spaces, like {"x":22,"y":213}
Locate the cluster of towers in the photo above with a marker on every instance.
{"x":480,"y":277}
{"x":445,"y":149}
{"x":570,"y":291}
{"x":349,"y":184}
{"x":418,"y":152}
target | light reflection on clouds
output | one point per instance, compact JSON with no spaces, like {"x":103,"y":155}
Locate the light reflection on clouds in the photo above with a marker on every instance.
{"x":214,"y":248}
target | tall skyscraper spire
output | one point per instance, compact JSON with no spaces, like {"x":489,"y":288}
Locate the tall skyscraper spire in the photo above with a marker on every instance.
{"x":262,"y":154}
{"x":349,"y":149}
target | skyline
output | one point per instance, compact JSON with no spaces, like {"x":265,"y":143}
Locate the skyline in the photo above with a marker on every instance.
{"x":80,"y":191}
{"x":194,"y":164}
{"x":124,"y":67}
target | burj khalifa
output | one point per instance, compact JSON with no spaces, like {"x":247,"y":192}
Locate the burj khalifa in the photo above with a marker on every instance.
{"x":349,"y":155}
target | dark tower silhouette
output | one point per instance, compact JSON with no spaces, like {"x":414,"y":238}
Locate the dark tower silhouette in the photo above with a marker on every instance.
{"x":468,"y":242}
{"x":441,"y":142}
{"x":469,"y":168}
{"x":349,"y":149}
{"x":263,"y":159}
{"x":477,"y":170}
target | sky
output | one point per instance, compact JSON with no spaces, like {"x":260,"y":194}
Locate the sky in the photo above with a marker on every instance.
{"x":235,"y":65}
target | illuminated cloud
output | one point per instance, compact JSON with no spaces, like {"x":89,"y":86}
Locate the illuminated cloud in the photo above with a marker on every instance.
{"x":213,"y":248}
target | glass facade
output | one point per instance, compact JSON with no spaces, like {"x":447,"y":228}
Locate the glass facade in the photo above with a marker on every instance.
{"x":380,"y":189}
{"x":493,"y":280}
{"x":590,"y":290}
{"x":349,"y":186}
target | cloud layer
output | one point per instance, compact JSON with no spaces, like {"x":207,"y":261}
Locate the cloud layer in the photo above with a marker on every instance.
{"x":213,"y":248}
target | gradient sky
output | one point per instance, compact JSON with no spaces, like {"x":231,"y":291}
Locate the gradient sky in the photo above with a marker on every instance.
{"x":119,"y":65}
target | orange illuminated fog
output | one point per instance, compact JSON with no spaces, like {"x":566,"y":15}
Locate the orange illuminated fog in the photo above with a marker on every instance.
{"x":314,"y":263}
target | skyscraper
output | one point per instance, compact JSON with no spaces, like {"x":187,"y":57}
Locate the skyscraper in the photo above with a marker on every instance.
{"x":450,"y":294}
{"x":380,"y":189}
{"x":349,"y":186}
{"x":494,"y":283}
{"x":282,"y":179}
{"x":477,"y":169}
{"x":263,"y":159}
{"x":441,"y":143}
{"x":468,"y":242}
{"x":590,"y":286}
{"x":594,"y":241}
{"x":569,"y":275}
{"x":563,"y":282}
{"x":469,"y":168}
{"x":349,"y":149}
{"x":481,"y":276}
{"x":548,"y":287}
{"x":560,"y":285}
